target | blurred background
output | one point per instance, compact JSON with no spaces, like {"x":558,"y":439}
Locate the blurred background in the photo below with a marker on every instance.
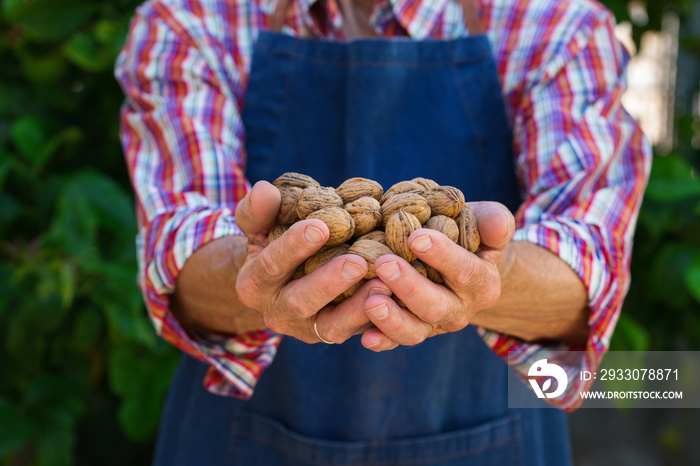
{"x":82,"y":375}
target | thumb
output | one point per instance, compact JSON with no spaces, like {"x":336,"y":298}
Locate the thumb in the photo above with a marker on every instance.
{"x":496,"y":223}
{"x":257,"y":212}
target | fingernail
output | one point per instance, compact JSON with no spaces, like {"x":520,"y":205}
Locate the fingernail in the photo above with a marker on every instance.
{"x":379,"y":312}
{"x":351,"y":271}
{"x":422,"y":243}
{"x":389,"y":270}
{"x":313,"y":234}
{"x":375,"y":290}
{"x":374,"y":344}
{"x":491,"y":211}
{"x":505,"y":219}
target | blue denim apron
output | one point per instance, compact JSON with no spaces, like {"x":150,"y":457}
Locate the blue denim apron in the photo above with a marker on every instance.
{"x":389,"y":110}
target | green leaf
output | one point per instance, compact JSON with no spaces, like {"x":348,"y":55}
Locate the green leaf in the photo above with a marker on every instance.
{"x":667,"y":274}
{"x":29,"y":136}
{"x":629,"y":336}
{"x":42,"y":69}
{"x":692,"y":278}
{"x":70,"y":135}
{"x":83,"y":50}
{"x":46,"y":20}
{"x":125,"y":321}
{"x":141,"y":382}
{"x":66,"y":279}
{"x":672,"y":180}
{"x":139,"y":417}
{"x":112,"y":34}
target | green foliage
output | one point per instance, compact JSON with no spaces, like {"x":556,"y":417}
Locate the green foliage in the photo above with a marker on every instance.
{"x":83,"y":375}
{"x":662,"y":310}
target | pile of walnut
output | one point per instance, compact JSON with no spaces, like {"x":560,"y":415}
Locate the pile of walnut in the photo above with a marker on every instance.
{"x":363,"y":219}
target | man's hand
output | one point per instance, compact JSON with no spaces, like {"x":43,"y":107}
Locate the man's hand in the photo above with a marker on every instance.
{"x":290,"y":308}
{"x":472,"y":283}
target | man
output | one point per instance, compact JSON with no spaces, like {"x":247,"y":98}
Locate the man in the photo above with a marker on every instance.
{"x":515,"y":103}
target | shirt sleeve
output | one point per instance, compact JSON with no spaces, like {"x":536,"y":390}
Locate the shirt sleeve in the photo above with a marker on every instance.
{"x":583,"y":164}
{"x":181,"y":131}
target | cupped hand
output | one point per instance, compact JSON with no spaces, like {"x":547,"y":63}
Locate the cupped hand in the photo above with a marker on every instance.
{"x":292,"y":307}
{"x":472,"y":283}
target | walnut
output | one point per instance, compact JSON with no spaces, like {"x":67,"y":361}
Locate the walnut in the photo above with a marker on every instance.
{"x":428,"y":184}
{"x":403,"y":187}
{"x":299,"y":272}
{"x":355,"y":188}
{"x":316,"y":198}
{"x":324,"y":256}
{"x":469,"y":237}
{"x":433,"y":275}
{"x":365,"y":211}
{"x":445,"y":225}
{"x":398,"y":229}
{"x":420,"y":267}
{"x":370,"y":251}
{"x":288,"y":204}
{"x":351,"y":291}
{"x":410,"y":203}
{"x":445,"y":200}
{"x":276,"y":232}
{"x":340,"y":224}
{"x":376,"y":235}
{"x":294,"y":180}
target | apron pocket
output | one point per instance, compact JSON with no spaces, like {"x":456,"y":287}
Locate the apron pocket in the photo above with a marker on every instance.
{"x":258,"y":440}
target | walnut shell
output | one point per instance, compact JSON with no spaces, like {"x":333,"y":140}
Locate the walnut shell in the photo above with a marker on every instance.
{"x":351,"y":291}
{"x":276,"y":232}
{"x":398,"y":229}
{"x":370,"y":251}
{"x":420,"y":267}
{"x":299,"y":272}
{"x":288,"y":204}
{"x":445,"y":200}
{"x":433,"y":275}
{"x":428,"y":184}
{"x":324,"y":256}
{"x":402,"y":187}
{"x":294,"y":180}
{"x":340,"y":224}
{"x":365,"y":211}
{"x":316,"y":198}
{"x":376,"y":235}
{"x":445,"y":225}
{"x":355,"y":188}
{"x":411,"y":203}
{"x":338,"y":299}
{"x":469,"y":237}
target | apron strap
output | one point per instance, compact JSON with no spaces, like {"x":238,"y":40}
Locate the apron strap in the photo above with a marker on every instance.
{"x":354,"y":27}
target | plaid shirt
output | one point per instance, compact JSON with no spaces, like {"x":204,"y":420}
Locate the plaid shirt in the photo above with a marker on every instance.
{"x":581,"y":160}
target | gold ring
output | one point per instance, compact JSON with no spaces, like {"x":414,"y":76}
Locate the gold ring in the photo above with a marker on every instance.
{"x":318,"y":335}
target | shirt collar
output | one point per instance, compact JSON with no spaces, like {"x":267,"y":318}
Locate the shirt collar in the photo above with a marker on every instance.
{"x":418,"y":17}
